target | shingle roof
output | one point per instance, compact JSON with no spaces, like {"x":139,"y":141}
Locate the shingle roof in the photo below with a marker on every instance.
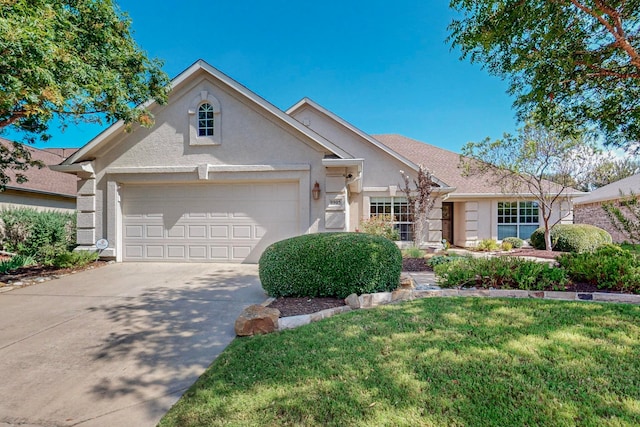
{"x":44,"y":179}
{"x":440,"y":162}
{"x":612,"y":191}
{"x":444,"y":165}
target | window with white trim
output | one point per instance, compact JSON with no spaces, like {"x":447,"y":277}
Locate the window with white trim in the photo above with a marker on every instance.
{"x":398,"y":207}
{"x":517,"y":219}
{"x":205,"y":120}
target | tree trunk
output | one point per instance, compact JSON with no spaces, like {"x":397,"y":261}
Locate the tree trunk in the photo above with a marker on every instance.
{"x":547,"y":238}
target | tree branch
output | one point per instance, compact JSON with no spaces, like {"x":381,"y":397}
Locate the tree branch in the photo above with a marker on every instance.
{"x":616,"y":30}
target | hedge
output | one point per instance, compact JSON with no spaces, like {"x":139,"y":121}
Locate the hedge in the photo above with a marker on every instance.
{"x":330,"y":265}
{"x":572,"y":238}
{"x":609,"y":267}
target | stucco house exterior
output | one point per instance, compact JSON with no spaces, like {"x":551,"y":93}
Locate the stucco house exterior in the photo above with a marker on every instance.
{"x":588,"y":209}
{"x":45,"y":189}
{"x":223,"y":173}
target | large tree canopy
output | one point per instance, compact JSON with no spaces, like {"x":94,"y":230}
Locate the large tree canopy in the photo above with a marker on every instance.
{"x":74,"y":59}
{"x":571,"y":64}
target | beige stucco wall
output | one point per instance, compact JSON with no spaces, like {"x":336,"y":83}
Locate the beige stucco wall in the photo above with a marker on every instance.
{"x":381,"y":171}
{"x":477,"y":219}
{"x":42,"y":202}
{"x":163,"y":154}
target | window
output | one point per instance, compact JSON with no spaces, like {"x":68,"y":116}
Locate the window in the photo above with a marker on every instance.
{"x":517,"y":219}
{"x":399,"y":208}
{"x":205,"y":120}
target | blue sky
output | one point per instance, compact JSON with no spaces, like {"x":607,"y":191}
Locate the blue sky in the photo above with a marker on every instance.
{"x":383,"y":66}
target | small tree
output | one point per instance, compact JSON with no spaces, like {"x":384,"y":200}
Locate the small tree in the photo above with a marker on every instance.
{"x":420,"y":200}
{"x":521,"y":164}
{"x":625,"y":217}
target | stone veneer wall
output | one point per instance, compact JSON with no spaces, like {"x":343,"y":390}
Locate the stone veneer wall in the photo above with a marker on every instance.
{"x":592,"y":213}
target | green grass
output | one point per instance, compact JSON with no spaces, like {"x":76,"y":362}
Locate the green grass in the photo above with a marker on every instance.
{"x":631,"y":248}
{"x":431,"y":362}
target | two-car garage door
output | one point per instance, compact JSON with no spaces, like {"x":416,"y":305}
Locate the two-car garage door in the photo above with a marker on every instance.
{"x":207,"y":222}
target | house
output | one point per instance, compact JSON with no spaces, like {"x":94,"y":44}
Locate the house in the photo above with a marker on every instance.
{"x":45,"y":189}
{"x":223,"y":173}
{"x":588,"y":209}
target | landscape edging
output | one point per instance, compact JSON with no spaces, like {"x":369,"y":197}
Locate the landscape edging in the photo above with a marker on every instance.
{"x":401,"y":294}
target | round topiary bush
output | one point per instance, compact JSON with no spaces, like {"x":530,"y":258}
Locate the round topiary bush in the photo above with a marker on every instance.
{"x":572,"y":238}
{"x":330,"y":265}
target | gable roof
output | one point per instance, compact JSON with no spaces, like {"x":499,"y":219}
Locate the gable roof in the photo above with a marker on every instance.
{"x":44,"y":180}
{"x":612,"y":191}
{"x":304,"y":102}
{"x":251,"y":97}
{"x":444,"y":164}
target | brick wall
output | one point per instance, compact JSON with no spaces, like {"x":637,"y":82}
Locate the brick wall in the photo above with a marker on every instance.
{"x":592,"y":213}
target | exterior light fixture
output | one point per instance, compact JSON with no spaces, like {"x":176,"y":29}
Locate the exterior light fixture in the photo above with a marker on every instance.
{"x":316,"y":191}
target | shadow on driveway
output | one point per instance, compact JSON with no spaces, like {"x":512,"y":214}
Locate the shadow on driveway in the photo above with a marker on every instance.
{"x":132,"y":340}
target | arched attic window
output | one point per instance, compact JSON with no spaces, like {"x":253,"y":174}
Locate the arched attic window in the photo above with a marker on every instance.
{"x":204,"y":120}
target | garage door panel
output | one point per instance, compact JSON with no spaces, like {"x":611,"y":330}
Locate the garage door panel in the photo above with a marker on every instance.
{"x":181,"y":223}
{"x":154,"y":231}
{"x":154,"y":251}
{"x":177,"y":231}
{"x":176,"y":252}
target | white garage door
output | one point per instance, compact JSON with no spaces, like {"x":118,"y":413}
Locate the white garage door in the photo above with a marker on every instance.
{"x":207,"y":223}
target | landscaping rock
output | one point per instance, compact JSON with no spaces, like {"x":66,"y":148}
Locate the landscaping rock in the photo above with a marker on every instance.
{"x":293,"y":321}
{"x":401,"y":295}
{"x":473,"y":292}
{"x":257,"y":319}
{"x":429,"y":293}
{"x":508,"y":293}
{"x":611,"y":297}
{"x":406,"y":282}
{"x":353,"y":301}
{"x":565,"y":296}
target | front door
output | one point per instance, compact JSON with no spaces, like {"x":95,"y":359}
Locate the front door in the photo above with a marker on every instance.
{"x":447,"y":222}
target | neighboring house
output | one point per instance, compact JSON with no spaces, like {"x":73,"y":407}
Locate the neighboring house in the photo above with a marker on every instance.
{"x":588,"y":209}
{"x":45,"y":189}
{"x":223,"y":174}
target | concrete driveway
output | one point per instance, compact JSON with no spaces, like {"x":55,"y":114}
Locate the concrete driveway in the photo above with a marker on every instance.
{"x":118,"y":345}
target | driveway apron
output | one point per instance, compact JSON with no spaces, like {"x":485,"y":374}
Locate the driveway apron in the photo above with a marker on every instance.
{"x":117,"y":345}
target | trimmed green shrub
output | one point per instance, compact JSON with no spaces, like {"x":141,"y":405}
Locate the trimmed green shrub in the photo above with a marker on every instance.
{"x":515,"y":242}
{"x":38,"y":234}
{"x":500,"y":272}
{"x":330,"y":265}
{"x":609,"y":267}
{"x":572,"y":238}
{"x":74,"y":259}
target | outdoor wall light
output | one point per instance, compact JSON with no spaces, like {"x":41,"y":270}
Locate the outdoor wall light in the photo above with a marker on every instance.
{"x":316,"y":191}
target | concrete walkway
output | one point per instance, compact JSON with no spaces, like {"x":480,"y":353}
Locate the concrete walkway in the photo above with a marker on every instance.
{"x":118,"y":345}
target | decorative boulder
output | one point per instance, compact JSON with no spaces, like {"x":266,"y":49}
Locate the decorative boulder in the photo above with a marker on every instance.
{"x":256,"y":320}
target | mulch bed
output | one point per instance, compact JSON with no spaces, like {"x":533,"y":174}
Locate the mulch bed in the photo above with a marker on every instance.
{"x":415,"y":264}
{"x":297,"y":306}
{"x":30,"y":273}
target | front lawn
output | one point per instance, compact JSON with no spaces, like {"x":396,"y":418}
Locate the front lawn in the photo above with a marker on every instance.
{"x":431,"y":362}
